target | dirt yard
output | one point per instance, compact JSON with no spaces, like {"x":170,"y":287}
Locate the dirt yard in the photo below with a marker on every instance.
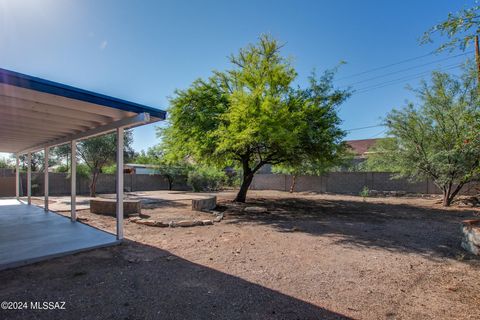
{"x":305,"y":257}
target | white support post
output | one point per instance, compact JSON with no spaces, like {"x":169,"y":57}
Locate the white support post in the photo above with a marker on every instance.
{"x":29,"y":178}
{"x":45,"y":180}
{"x":17,"y":177}
{"x":119,"y":209}
{"x":73,"y":180}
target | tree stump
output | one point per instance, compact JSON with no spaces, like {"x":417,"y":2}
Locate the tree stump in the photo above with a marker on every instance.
{"x":204,"y":204}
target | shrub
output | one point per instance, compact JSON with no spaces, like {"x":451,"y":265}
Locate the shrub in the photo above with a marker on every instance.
{"x":206,"y":179}
{"x":82,"y":170}
{"x":365,"y":192}
{"x":111,"y":169}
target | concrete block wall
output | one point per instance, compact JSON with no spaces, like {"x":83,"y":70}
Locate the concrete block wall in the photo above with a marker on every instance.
{"x":59,"y":183}
{"x":348,"y":183}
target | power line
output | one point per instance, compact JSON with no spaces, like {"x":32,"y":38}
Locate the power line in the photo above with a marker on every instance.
{"x":367,"y":127}
{"x":403,"y":79}
{"x":386,"y":66}
{"x":407,"y":69}
{"x":376,"y":135}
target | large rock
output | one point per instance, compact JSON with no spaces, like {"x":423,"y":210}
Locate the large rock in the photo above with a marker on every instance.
{"x":204,"y":204}
{"x":108,"y":206}
{"x":255,"y":209}
{"x":471,"y":236}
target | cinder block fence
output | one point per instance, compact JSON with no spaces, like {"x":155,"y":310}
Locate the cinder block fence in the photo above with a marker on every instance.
{"x":348,"y":183}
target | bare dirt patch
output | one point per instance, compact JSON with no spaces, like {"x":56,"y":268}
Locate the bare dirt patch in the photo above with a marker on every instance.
{"x":306,"y":256}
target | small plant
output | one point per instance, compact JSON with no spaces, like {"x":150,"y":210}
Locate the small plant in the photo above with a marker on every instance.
{"x":365,"y":192}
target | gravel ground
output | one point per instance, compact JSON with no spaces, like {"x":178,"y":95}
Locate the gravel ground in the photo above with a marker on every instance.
{"x":308,"y":257}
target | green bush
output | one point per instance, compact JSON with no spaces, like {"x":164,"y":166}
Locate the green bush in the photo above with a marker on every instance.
{"x":365,"y":192}
{"x":62,"y":169}
{"x":111,"y":169}
{"x":206,"y":179}
{"x":82,"y":170}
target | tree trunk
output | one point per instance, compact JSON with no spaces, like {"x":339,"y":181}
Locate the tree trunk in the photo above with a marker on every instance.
{"x":93,"y":184}
{"x":450,"y":196}
{"x":294,"y":182}
{"x":248,"y":175}
{"x":170,"y":182}
{"x":446,"y":200}
{"x":242,"y":193}
{"x":247,"y":180}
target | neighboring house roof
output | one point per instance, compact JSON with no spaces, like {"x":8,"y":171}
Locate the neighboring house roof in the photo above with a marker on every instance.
{"x":140,"y":165}
{"x":360,"y":147}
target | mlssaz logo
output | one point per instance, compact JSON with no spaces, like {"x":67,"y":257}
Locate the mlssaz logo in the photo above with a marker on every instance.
{"x":47,"y":305}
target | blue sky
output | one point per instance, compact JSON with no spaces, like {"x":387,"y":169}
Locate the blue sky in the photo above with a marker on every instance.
{"x":143,"y":50}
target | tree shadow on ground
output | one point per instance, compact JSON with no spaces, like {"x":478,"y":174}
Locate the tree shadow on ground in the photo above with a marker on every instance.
{"x":431,"y":232}
{"x":137,"y":281}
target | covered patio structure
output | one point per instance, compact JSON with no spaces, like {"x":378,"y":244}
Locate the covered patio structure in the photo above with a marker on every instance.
{"x":35,"y":115}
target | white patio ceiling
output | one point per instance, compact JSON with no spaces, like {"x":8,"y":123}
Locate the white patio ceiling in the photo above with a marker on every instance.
{"x":37,"y":113}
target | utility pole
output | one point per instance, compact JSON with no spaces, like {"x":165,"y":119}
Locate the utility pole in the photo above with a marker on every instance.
{"x":477,"y":59}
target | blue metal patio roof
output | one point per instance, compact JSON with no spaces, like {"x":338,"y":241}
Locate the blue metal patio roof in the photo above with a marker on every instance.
{"x":36,"y":113}
{"x":33,"y":83}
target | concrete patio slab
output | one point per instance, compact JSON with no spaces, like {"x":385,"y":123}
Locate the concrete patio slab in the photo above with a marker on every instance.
{"x":29,"y":234}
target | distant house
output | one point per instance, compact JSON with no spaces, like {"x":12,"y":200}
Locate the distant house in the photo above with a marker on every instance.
{"x":136,"y":168}
{"x":360,"y":147}
{"x":360,"y":150}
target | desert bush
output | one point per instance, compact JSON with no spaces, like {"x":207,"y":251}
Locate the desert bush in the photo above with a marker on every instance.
{"x":206,"y":179}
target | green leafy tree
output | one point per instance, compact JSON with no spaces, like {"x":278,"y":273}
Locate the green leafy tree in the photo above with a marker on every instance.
{"x":98,"y":152}
{"x":5,"y":164}
{"x":251,"y":115}
{"x":460,"y":28}
{"x":438,"y":139}
{"x":37,"y":164}
{"x":61,"y":154}
{"x":376,"y":158}
{"x":334,"y":155}
{"x":170,"y":168}
{"x":206,"y":178}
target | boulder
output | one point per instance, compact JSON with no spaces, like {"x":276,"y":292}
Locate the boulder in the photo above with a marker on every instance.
{"x":471,"y":236}
{"x":255,"y":209}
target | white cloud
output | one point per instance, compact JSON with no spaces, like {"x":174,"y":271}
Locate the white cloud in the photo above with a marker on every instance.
{"x":103,"y":44}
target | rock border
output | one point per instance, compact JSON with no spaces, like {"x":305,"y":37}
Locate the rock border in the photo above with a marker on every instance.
{"x":181,"y":223}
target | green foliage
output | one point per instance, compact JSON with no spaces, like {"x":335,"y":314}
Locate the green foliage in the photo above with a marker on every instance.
{"x":206,"y":178}
{"x":251,"y":115}
{"x":365,"y":192}
{"x":153,"y":156}
{"x":62,"y":168}
{"x":378,"y":161}
{"x":110,"y":169}
{"x":5,"y":164}
{"x":98,"y":152}
{"x":460,"y":28}
{"x":83,"y":170}
{"x":37,"y":163}
{"x":61,"y":155}
{"x":440,"y":138}
{"x":171,"y":168}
